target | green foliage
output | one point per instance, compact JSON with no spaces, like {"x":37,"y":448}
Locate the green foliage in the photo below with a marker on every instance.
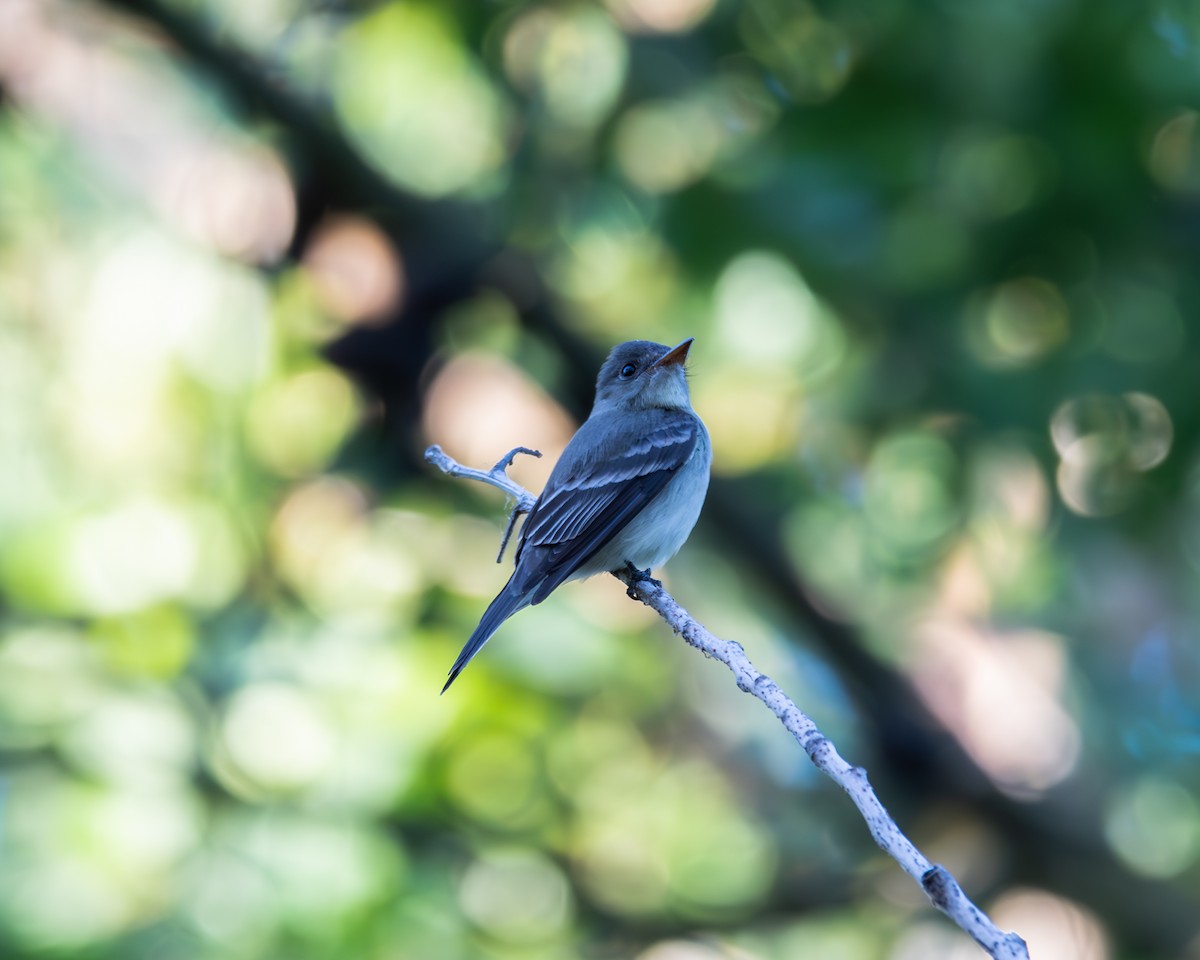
{"x":940,"y":261}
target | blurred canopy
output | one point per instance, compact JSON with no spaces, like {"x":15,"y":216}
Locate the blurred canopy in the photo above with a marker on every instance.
{"x":940,"y":261}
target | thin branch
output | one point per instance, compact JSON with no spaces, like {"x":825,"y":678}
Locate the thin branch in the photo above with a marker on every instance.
{"x":523,"y":500}
{"x":939,"y":885}
{"x":937,"y":882}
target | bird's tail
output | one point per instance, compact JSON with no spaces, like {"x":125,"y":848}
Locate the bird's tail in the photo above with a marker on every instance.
{"x":508,"y":601}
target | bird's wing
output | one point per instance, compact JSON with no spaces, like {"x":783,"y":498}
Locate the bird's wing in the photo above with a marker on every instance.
{"x":582,"y":510}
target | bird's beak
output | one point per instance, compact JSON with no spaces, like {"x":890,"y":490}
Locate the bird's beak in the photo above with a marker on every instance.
{"x":676,"y":355}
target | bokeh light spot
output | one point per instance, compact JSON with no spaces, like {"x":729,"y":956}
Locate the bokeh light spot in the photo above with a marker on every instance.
{"x":296,"y":424}
{"x":155,"y":642}
{"x":493,"y":778}
{"x":1018,"y":323}
{"x":828,"y":543}
{"x":989,"y":173}
{"x":34,"y":568}
{"x":1103,"y":443}
{"x":341,"y":557}
{"x":150,"y":131}
{"x":1154,"y":826}
{"x":664,"y":146}
{"x":277,"y":738}
{"x":416,"y":102}
{"x":753,"y":415}
{"x":682,"y":950}
{"x":909,"y":499}
{"x":133,"y":555}
{"x":768,"y":317}
{"x":516,"y":895}
{"x":1052,"y":926}
{"x":62,"y":903}
{"x":667,"y":144}
{"x":571,"y":57}
{"x":479,"y":408}
{"x":676,"y":837}
{"x":239,"y":203}
{"x":145,"y":741}
{"x":48,"y":677}
{"x":1009,"y":483}
{"x":1150,"y":428}
{"x":659,"y":16}
{"x":152,"y":300}
{"x":1001,"y":696}
{"x":616,"y":272}
{"x":811,"y":58}
{"x":357,"y":273}
{"x":1174,"y":159}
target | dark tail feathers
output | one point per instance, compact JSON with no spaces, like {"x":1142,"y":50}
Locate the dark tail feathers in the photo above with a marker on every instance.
{"x":508,"y":601}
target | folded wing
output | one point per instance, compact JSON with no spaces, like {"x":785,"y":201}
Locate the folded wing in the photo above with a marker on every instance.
{"x":581,"y":511}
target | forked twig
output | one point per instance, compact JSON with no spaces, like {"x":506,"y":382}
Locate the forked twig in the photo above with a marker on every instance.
{"x":523,"y":500}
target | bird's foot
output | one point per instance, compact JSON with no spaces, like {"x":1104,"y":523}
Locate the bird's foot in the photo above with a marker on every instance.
{"x":639,"y":576}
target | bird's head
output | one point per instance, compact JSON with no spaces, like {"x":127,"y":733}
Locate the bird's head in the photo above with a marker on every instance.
{"x":639,"y":374}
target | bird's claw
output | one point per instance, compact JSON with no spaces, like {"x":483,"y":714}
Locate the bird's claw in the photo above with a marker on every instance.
{"x":637,"y":576}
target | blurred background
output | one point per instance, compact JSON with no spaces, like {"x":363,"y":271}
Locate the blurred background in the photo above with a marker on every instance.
{"x":941,"y":262}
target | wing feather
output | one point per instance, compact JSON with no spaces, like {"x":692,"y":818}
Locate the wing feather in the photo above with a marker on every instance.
{"x":584,"y":507}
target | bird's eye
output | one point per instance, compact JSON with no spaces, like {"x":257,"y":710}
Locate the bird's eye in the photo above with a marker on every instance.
{"x":628,"y":370}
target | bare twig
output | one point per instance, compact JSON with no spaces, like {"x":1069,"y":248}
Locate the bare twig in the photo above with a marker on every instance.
{"x":939,"y":885}
{"x":937,"y":882}
{"x":523,"y":500}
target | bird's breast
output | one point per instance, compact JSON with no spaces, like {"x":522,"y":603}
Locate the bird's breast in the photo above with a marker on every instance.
{"x":655,"y":535}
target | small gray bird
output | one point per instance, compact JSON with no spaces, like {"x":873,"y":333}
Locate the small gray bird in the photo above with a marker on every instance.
{"x":627,"y":490}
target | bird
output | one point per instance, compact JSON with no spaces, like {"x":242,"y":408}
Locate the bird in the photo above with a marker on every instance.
{"x":626,"y":492}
